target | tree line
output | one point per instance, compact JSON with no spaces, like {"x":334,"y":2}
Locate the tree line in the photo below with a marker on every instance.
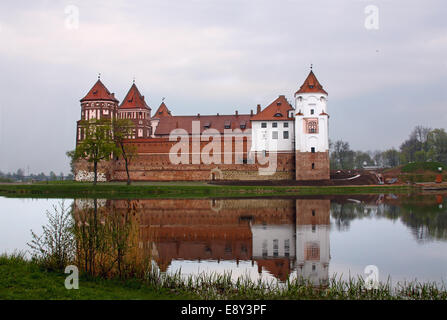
{"x":423,"y":144}
{"x":20,"y":175}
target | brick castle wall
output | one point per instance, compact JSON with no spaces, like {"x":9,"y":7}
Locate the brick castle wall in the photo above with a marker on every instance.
{"x":153,"y":163}
{"x":312,"y":166}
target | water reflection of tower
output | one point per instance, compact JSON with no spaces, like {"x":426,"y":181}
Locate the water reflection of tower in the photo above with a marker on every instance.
{"x":274,"y":247}
{"x":312,"y":240}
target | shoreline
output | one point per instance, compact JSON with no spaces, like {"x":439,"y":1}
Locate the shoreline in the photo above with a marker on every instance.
{"x":185,"y":190}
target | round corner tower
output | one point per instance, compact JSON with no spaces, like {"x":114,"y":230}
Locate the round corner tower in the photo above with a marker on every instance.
{"x":98,"y":104}
{"x":311,"y":131}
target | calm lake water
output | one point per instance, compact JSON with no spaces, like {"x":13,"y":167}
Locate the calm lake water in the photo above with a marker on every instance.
{"x":315,"y":237}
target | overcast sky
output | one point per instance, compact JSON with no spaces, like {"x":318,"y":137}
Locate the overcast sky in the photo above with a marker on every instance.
{"x":209,"y":56}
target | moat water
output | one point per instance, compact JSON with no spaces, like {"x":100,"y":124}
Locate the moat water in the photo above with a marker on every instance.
{"x":318,"y":237}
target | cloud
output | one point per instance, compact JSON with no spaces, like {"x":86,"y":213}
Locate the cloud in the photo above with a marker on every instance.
{"x":216,"y":56}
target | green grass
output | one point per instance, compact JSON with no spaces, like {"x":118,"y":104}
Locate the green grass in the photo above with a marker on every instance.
{"x":21,"y":279}
{"x":421,"y":166}
{"x":179,"y":190}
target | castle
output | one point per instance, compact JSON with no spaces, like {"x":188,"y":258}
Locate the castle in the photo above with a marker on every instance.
{"x":278,"y":142}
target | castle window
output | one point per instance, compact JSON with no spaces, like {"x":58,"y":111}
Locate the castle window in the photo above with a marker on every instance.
{"x":264,"y":125}
{"x":313,"y":213}
{"x":264,"y":248}
{"x":312,"y":251}
{"x":275,"y":247}
{"x":313,"y":166}
{"x":312,"y":126}
{"x":275,"y":125}
{"x":286,"y":124}
{"x":275,"y":135}
{"x":312,"y":149}
{"x":285,"y":134}
{"x":312,"y":111}
{"x":286,"y":247}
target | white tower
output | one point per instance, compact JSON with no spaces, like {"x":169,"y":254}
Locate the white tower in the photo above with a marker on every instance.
{"x":311,"y":131}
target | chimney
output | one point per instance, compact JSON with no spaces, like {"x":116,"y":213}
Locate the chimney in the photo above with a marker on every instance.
{"x":236,"y":113}
{"x":218,"y":114}
{"x":251,"y":113}
{"x":198,"y":115}
{"x":258,"y":109}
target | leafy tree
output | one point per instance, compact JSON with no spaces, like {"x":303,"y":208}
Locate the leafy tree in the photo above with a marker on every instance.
{"x":343,"y":156}
{"x":97,"y":144}
{"x":437,"y":144}
{"x":391,"y":157}
{"x":360,"y":158}
{"x":20,"y":175}
{"x":71,"y":155}
{"x":122,"y":130}
{"x":53,"y":176}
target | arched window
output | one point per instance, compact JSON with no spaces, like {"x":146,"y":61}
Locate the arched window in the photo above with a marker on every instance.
{"x":312,"y":126}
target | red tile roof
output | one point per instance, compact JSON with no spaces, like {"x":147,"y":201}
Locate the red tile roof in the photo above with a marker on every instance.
{"x":134,"y":100}
{"x":167,"y":124}
{"x":162,"y":111}
{"x":311,"y":85}
{"x":99,"y":92}
{"x":277,"y":110}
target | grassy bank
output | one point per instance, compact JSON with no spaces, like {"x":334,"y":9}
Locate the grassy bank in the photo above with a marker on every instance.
{"x":183,"y":190}
{"x":21,"y":279}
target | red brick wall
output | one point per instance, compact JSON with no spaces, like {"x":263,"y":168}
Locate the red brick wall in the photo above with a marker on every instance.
{"x":153,"y":164}
{"x":304,"y":161}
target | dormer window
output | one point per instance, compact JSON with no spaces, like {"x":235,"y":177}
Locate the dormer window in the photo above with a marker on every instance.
{"x":207,"y":125}
{"x":227,"y":124}
{"x":243,"y":125}
{"x":278,"y":114}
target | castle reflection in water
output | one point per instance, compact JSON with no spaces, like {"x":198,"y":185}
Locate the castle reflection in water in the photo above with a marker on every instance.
{"x":280,"y":236}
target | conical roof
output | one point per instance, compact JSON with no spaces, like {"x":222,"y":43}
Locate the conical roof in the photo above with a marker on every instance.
{"x":162,"y":111}
{"x":99,"y":92}
{"x":134,"y":99}
{"x":311,"y":85}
